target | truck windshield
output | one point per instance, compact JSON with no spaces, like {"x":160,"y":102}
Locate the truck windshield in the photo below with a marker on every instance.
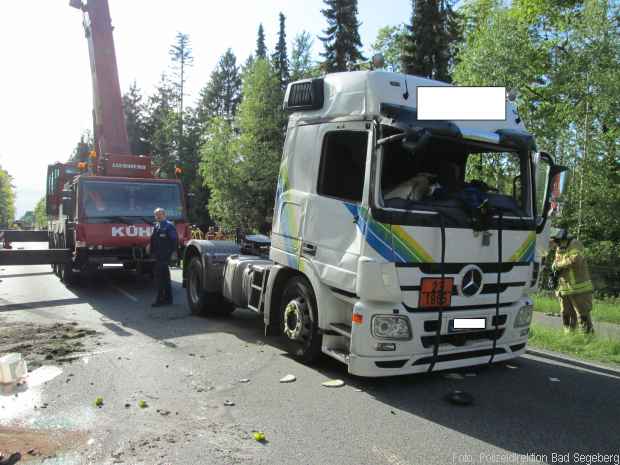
{"x":109,"y":199}
{"x":444,"y":173}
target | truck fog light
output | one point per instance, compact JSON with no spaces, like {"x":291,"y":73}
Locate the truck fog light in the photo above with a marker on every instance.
{"x":524,"y":317}
{"x":390,"y":327}
{"x":385,"y":346}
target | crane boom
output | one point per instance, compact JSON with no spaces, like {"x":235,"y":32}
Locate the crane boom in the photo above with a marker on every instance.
{"x":110,"y":131}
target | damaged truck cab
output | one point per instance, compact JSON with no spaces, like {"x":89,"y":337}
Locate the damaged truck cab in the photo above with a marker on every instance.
{"x":398,"y":245}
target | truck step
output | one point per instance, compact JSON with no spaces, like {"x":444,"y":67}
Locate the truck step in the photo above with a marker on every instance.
{"x":339,"y":354}
{"x":341,"y":328}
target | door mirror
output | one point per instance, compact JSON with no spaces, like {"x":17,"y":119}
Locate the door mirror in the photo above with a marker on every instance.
{"x":550,"y":180}
{"x":67,"y":203}
{"x":189,"y":200}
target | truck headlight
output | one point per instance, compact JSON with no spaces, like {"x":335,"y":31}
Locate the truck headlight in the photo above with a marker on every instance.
{"x":524,"y":317}
{"x":390,"y":327}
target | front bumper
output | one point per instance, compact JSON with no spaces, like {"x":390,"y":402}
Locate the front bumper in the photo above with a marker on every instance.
{"x":417,"y":354}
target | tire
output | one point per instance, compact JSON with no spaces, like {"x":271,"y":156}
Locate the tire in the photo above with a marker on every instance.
{"x":299,"y":323}
{"x":201,"y":302}
{"x":67,"y":275}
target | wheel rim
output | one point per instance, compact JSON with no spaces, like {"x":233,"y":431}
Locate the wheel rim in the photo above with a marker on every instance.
{"x":297,"y":321}
{"x":194,"y":284}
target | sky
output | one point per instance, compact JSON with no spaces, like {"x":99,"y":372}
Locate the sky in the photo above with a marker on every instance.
{"x":45,"y":83}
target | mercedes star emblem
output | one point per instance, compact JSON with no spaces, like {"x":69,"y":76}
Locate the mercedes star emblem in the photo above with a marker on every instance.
{"x":471,"y":281}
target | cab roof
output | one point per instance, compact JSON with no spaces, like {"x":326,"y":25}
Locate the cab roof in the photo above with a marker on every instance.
{"x":365,"y":95}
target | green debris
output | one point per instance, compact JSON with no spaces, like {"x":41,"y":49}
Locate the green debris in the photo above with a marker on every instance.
{"x":142,"y":404}
{"x":99,"y":402}
{"x":259,"y":436}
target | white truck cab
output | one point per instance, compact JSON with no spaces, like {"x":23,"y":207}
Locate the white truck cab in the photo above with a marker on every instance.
{"x":398,"y":245}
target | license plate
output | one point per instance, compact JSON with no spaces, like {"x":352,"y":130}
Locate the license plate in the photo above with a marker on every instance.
{"x":431,"y":295}
{"x":467,"y":324}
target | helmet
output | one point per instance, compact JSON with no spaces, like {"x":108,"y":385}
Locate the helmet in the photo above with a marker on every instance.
{"x":558,"y":234}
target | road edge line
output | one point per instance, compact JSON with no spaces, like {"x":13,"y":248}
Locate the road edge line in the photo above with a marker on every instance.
{"x":559,"y":357}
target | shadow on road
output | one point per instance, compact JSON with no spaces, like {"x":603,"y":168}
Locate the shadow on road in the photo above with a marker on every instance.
{"x":528,"y":406}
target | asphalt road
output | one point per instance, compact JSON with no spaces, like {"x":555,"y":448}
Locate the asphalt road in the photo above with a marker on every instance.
{"x":524,"y":412}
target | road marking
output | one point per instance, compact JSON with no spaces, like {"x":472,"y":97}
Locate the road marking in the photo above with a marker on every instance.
{"x":126,"y":294}
{"x":390,"y":458}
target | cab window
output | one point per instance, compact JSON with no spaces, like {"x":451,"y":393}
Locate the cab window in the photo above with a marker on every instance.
{"x":343,"y":162}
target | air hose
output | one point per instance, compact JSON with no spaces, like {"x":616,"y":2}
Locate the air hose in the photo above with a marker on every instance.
{"x":441,"y":299}
{"x":499,"y":280}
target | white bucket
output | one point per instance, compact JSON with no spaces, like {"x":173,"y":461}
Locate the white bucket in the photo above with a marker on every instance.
{"x":12,"y":368}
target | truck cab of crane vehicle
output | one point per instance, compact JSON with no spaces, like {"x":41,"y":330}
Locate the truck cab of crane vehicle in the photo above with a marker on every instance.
{"x":417,"y":237}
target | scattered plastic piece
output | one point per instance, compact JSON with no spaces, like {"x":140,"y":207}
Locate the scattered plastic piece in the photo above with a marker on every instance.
{"x":512,"y":367}
{"x":460,"y":398}
{"x":142,"y":404}
{"x":333,"y":383}
{"x":288,"y":379}
{"x":554,"y":380}
{"x":453,"y":376}
{"x":229,"y":403}
{"x":99,"y":402}
{"x":259,"y":436}
{"x":244,"y":380}
{"x":12,"y":368}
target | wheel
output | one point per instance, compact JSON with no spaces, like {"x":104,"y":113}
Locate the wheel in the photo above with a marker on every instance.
{"x":67,"y":275}
{"x":299,"y":320}
{"x":200,"y":301}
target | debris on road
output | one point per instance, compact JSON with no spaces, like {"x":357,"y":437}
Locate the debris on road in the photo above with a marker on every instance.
{"x":554,"y":380}
{"x":457,"y":397}
{"x":41,"y":343}
{"x":12,"y":368}
{"x":453,"y":376}
{"x":163,"y":412}
{"x":99,"y":402}
{"x":244,"y":380}
{"x":259,"y":436}
{"x":142,"y":404}
{"x":229,"y":403}
{"x":288,"y":379}
{"x":470,"y":374}
{"x":333,"y":383}
{"x":512,"y":367}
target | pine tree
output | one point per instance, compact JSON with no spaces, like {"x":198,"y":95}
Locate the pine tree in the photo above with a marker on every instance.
{"x":261,"y":48}
{"x":301,"y":58}
{"x":7,"y":199}
{"x":222,"y":94}
{"x":181,"y":55}
{"x":162,"y":127}
{"x":430,"y":43}
{"x":134,"y":120}
{"x":280,"y":57}
{"x":342,"y":40}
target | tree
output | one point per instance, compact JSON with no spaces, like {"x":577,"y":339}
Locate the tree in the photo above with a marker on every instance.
{"x":181,"y":55}
{"x":162,"y":128}
{"x":222,"y":94}
{"x":390,"y":43}
{"x":241,"y":170}
{"x":261,"y":48}
{"x":430,"y":44}
{"x":7,"y":200}
{"x":83,"y":147}
{"x":564,"y":58}
{"x":280,"y":57}
{"x":135,"y":120}
{"x":40,"y":215}
{"x":342,"y":40}
{"x":301,"y":65}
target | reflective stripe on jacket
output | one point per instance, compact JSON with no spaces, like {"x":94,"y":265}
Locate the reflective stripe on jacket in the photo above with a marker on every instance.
{"x":572,"y":267}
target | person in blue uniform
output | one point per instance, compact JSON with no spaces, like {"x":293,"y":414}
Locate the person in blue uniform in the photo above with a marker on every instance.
{"x":163,"y":245}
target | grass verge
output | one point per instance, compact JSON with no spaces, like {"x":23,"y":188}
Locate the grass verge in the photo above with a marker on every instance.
{"x":587,"y":347}
{"x":604,"y":310}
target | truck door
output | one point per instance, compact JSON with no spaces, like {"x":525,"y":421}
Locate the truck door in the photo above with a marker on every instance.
{"x":330,"y":234}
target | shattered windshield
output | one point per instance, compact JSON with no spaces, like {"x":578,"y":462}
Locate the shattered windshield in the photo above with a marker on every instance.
{"x":109,"y":199}
{"x":449,"y":173}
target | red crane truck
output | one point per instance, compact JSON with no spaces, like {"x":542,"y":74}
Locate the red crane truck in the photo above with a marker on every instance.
{"x":101,"y":207}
